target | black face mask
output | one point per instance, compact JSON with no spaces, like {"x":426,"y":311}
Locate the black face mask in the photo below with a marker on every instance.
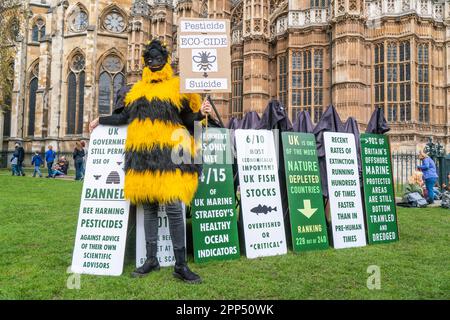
{"x":155,"y":60}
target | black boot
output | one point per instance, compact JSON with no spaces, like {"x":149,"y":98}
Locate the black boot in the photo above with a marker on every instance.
{"x":181,"y":270}
{"x":151,"y":264}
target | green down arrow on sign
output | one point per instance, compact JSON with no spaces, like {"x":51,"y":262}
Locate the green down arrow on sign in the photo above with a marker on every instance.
{"x":309,"y":231}
{"x":307,"y":211}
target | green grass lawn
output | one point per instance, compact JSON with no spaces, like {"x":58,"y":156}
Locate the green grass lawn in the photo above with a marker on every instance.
{"x":37,"y":232}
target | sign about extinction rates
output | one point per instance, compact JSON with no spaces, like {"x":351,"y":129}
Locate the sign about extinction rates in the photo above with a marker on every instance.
{"x":308,"y":226}
{"x":214,"y":221}
{"x":103,"y":216}
{"x":262,"y":214}
{"x":378,"y":189}
{"x":347,"y":218}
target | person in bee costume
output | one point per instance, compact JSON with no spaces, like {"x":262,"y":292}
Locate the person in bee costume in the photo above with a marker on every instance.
{"x":160,"y":120}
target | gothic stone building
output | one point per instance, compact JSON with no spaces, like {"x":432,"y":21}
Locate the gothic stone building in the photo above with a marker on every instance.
{"x":354,"y":54}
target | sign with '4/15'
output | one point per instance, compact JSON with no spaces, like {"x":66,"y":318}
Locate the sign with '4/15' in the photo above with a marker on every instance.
{"x":214,"y":221}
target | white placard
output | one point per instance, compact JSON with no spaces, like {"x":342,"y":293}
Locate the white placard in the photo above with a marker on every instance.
{"x":103,"y":216}
{"x":347,"y":217}
{"x":203,"y":41}
{"x":262,"y":212}
{"x":204,"y":55}
{"x":165,"y":253}
{"x":206,"y":84}
{"x":203,"y":26}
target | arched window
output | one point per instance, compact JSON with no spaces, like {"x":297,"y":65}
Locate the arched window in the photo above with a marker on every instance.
{"x":38,"y":31}
{"x":423,"y":80}
{"x":32,"y":91}
{"x":78,"y":20}
{"x":75,"y":95}
{"x":109,"y":83}
{"x":114,"y":21}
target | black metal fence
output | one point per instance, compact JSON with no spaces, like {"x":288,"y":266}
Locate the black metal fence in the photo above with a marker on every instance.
{"x":405,"y":163}
{"x":403,"y":166}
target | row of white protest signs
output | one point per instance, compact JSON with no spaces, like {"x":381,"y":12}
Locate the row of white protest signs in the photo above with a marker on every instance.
{"x":103,"y":216}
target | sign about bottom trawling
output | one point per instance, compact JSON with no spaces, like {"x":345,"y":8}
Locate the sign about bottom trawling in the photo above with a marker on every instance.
{"x":379,"y":196}
{"x":165,"y":253}
{"x":103,"y":216}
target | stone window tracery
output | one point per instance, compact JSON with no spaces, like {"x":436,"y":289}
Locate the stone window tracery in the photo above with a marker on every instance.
{"x":112,"y":78}
{"x":75,"y":94}
{"x":317,"y":3}
{"x":78,"y":20}
{"x":32,"y":95}
{"x":237,"y":88}
{"x":282,"y":79}
{"x":406,"y":5}
{"x":379,"y":75}
{"x":405,"y":81}
{"x":423,"y":6}
{"x":423,"y":80}
{"x":114,"y":21}
{"x":396,"y":67}
{"x":38,"y":30}
{"x":307,"y":82}
{"x":341,"y":6}
{"x":438,"y":10}
{"x":390,"y":6}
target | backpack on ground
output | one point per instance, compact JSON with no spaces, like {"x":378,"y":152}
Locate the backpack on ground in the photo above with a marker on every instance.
{"x":445,"y":200}
{"x":415,"y":200}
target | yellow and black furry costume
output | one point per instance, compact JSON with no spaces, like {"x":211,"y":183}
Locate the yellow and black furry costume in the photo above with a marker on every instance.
{"x":158,"y":116}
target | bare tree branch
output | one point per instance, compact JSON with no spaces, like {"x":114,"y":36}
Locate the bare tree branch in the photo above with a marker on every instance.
{"x":11,"y":25}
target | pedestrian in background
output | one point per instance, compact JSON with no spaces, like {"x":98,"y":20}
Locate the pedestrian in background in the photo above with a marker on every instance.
{"x":83,"y":144}
{"x":78,"y":157}
{"x":14,"y":165}
{"x":430,"y":176}
{"x":50,"y":156}
{"x":20,"y":158}
{"x":37,"y":162}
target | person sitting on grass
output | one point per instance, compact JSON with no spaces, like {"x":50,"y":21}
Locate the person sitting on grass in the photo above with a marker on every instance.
{"x":37,"y":162}
{"x":446,"y":187}
{"x":60,"y":168}
{"x":415,"y":184}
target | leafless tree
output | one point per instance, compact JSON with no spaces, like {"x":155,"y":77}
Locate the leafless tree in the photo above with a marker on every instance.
{"x":11,"y":26}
